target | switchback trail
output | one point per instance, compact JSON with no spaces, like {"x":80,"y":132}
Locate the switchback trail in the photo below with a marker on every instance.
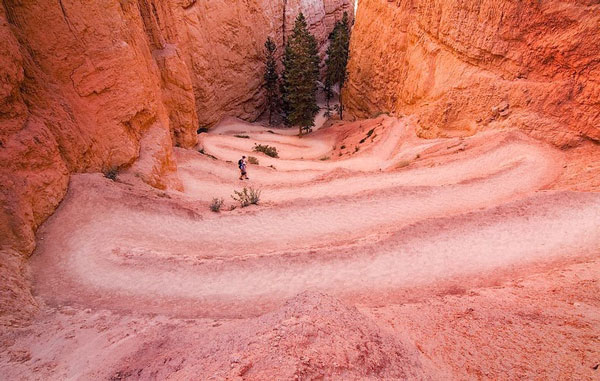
{"x":399,"y":213}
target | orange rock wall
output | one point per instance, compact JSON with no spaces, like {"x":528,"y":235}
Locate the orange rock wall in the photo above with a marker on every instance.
{"x":465,"y":65}
{"x":100,"y":85}
{"x":84,"y":92}
{"x":82,"y":83}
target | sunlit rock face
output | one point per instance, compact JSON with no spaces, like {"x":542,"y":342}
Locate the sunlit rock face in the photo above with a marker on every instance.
{"x":96,"y":85}
{"x":464,"y":65}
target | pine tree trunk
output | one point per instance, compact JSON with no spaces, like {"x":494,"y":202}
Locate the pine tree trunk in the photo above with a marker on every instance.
{"x":300,"y":132}
{"x":270,"y":109}
{"x":341,"y":106}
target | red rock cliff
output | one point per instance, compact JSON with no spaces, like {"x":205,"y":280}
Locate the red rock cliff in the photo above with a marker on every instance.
{"x":100,"y":85}
{"x":464,"y":65}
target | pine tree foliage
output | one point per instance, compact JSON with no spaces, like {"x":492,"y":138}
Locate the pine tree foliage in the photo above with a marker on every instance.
{"x":271,"y":76}
{"x":337,"y":57}
{"x":300,"y":76}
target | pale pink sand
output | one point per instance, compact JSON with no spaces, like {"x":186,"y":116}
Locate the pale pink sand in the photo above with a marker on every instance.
{"x":120,"y":267}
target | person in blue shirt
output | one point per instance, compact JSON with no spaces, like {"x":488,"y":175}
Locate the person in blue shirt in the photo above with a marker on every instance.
{"x":242,"y":165}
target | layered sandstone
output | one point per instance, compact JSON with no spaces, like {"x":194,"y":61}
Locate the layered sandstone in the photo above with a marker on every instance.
{"x":465,"y":65}
{"x":112,"y":86}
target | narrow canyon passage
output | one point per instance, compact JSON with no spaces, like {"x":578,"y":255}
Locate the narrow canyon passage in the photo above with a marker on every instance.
{"x":460,"y":210}
{"x":428,"y":172}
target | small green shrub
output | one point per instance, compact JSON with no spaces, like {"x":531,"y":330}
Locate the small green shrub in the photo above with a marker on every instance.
{"x":362,"y":140}
{"x":252,"y":160}
{"x":216,"y":204}
{"x":324,"y":158}
{"x":343,"y":147}
{"x":247,"y":196}
{"x":356,"y":149}
{"x":306,"y":129}
{"x":202,"y":129}
{"x":242,"y":136}
{"x":370,"y":132}
{"x":266,"y":149}
{"x":111,"y":174}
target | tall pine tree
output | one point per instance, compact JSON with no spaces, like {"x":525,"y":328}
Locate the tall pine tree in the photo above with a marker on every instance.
{"x":271,"y":76}
{"x":300,"y":76}
{"x":337,"y":57}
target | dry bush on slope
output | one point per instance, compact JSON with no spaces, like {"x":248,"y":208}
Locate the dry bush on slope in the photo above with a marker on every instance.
{"x":247,"y":196}
{"x":216,"y":204}
{"x":266,"y":149}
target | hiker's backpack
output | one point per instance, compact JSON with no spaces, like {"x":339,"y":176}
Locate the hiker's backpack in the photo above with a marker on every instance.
{"x":240,"y":163}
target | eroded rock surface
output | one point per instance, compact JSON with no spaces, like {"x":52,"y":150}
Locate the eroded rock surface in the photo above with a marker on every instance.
{"x":112,"y":86}
{"x":312,"y":336}
{"x":464,"y":65}
{"x":408,"y":258}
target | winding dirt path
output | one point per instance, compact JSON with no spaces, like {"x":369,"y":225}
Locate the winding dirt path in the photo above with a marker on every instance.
{"x":355,"y":225}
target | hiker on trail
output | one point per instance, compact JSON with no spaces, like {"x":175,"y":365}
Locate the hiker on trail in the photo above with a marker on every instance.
{"x":242,"y":165}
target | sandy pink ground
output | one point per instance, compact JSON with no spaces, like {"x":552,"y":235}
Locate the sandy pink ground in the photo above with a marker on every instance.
{"x":404,"y":258}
